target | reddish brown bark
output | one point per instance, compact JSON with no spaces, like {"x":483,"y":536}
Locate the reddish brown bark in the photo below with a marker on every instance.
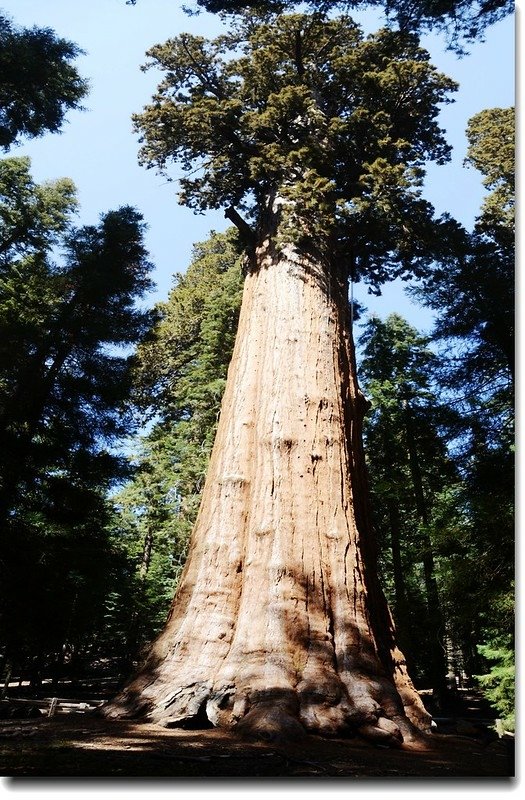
{"x":279,"y":624}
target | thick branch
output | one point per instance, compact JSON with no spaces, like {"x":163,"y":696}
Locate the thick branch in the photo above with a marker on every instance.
{"x":247,"y":234}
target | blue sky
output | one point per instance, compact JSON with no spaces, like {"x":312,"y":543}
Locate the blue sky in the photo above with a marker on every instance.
{"x":98,"y":150}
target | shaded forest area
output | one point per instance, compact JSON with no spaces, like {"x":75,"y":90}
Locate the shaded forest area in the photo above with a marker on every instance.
{"x":95,"y":533}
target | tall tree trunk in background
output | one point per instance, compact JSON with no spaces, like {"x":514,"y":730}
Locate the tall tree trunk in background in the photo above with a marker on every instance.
{"x":401,"y":611}
{"x":279,"y":624}
{"x":132,"y":642}
{"x":438,"y":663}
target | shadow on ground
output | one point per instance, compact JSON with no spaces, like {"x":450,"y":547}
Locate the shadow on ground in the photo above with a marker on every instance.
{"x":82,"y":746}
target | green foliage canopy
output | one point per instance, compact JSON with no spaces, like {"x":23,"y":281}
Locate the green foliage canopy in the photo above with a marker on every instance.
{"x":471,"y":289}
{"x":409,"y":469}
{"x":68,"y":316}
{"x":499,"y":684}
{"x":38,"y":82}
{"x":492,"y":148}
{"x":462,"y":21}
{"x":58,"y":320}
{"x":305,"y":108}
{"x":472,"y":285}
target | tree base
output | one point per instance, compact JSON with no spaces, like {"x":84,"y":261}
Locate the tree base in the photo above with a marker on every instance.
{"x":268,"y":715}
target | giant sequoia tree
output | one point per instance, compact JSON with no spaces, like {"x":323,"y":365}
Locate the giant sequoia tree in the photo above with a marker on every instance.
{"x":320,"y":136}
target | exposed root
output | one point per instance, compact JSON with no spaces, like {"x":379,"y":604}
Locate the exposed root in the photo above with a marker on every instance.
{"x":384,"y":732}
{"x":271,"y":723}
{"x":279,"y":715}
{"x":124,"y":707}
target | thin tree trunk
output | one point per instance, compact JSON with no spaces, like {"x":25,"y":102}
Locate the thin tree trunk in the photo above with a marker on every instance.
{"x":400,"y":593}
{"x":435,"y":616}
{"x":145,"y":561}
{"x":397,"y":563}
{"x":279,"y":624}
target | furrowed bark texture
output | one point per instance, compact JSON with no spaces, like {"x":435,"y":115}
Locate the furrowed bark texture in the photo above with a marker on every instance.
{"x":279,"y":625}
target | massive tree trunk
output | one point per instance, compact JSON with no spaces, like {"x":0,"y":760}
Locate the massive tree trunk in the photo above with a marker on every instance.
{"x":279,"y":625}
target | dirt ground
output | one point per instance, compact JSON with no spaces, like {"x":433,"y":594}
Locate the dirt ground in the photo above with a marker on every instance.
{"x":82,"y":746}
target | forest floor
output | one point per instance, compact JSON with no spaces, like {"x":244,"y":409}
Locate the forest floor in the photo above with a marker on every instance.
{"x":81,"y":745}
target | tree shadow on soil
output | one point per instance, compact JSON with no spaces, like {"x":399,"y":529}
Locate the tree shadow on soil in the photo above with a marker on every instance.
{"x":89,"y":747}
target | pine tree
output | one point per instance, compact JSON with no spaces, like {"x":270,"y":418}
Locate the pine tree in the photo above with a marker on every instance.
{"x":65,"y":381}
{"x":475,"y":328}
{"x":38,"y":82}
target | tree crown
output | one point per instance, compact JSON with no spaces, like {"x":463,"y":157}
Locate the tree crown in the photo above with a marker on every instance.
{"x":491,"y":137}
{"x":307,"y":108}
{"x":38,"y":82}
